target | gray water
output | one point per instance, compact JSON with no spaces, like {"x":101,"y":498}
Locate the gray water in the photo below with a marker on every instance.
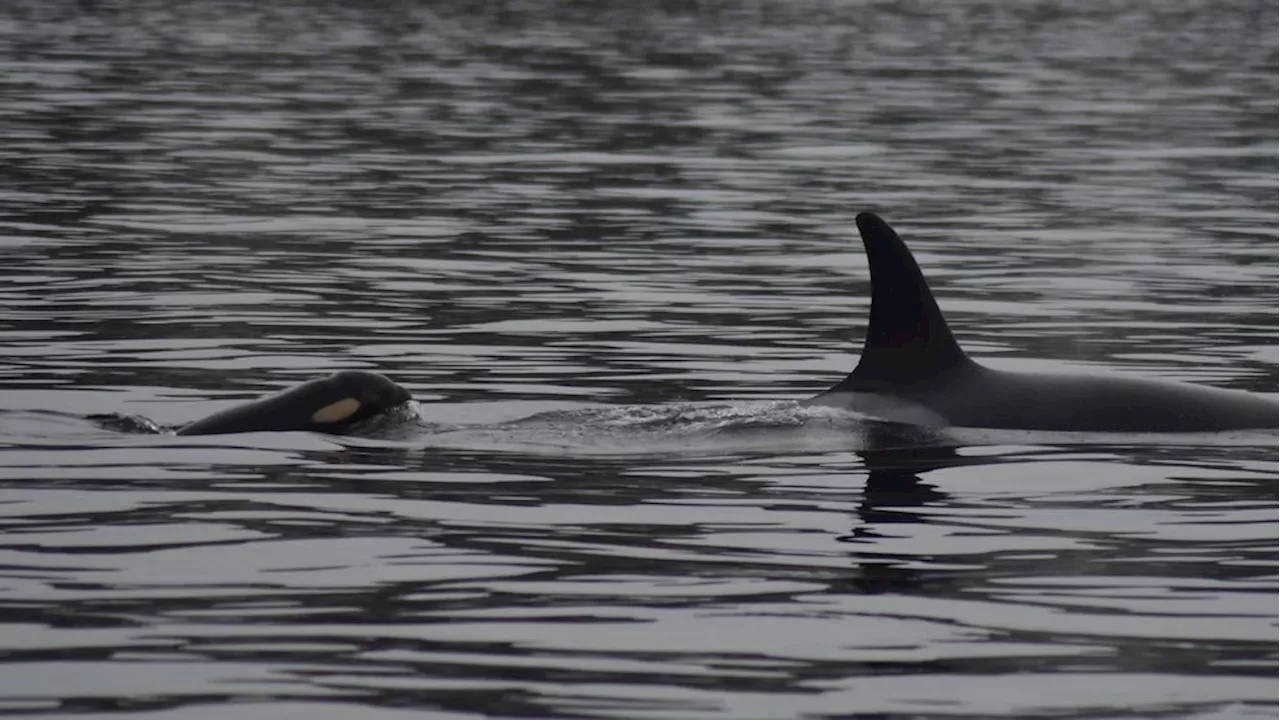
{"x":637,"y":218}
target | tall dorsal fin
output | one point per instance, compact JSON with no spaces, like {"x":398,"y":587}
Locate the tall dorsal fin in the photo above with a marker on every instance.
{"x":907,"y":338}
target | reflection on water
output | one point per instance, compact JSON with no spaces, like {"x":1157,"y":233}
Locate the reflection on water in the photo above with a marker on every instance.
{"x":523,"y":208}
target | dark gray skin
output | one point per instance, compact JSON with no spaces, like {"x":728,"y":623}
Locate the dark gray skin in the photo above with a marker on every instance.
{"x":329,"y":405}
{"x":913,"y":371}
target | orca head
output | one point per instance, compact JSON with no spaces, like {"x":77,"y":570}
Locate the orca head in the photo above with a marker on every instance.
{"x":331,"y":405}
{"x":348,"y":397}
{"x":907,"y":341}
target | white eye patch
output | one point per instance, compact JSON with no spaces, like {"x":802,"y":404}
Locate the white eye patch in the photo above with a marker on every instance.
{"x":336,"y":412}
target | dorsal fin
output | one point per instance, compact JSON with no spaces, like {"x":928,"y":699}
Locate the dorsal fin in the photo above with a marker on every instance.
{"x":907,"y":338}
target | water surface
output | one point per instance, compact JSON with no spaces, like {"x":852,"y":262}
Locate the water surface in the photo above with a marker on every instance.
{"x":626,"y":214}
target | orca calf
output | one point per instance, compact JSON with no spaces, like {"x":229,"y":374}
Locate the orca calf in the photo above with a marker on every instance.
{"x":913,"y":371}
{"x":328,"y":405}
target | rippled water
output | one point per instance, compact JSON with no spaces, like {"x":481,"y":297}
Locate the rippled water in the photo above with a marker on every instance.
{"x":636,"y":218}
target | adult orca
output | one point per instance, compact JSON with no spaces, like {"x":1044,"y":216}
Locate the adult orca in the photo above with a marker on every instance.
{"x":913,"y":371}
{"x":329,"y":405}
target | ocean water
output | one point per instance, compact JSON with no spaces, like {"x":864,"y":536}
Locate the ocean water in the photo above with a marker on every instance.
{"x":607,"y":246}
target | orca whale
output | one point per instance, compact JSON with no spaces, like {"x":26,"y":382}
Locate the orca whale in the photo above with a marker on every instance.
{"x":329,"y":405}
{"x":913,"y":371}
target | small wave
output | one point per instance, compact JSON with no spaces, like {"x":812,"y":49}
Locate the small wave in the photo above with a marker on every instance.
{"x":674,"y":427}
